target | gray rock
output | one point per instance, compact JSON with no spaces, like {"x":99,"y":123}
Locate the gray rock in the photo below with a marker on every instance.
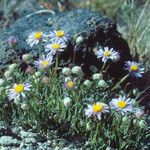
{"x":9,"y":141}
{"x":93,"y":27}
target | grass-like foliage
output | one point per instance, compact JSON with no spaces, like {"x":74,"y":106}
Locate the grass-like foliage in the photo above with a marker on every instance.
{"x":46,"y":96}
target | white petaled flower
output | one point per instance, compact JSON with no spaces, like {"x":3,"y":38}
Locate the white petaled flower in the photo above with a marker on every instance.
{"x":18,"y":90}
{"x":96,"y":110}
{"x":121,"y":104}
{"x":134,"y":68}
{"x":44,"y":62}
{"x":56,"y":35}
{"x":56,"y":45}
{"x":107,"y":54}
{"x":34,"y":38}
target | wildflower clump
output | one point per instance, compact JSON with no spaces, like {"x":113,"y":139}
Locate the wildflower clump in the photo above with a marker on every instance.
{"x":49,"y":96}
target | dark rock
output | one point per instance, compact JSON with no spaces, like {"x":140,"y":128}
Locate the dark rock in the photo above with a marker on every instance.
{"x":93,"y":27}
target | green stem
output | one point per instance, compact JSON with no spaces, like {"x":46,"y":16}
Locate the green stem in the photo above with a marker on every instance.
{"x":57,"y":58}
{"x":121,"y":81}
{"x":103,"y":67}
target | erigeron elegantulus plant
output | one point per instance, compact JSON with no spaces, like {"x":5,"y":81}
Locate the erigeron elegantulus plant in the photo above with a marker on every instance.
{"x":71,"y":104}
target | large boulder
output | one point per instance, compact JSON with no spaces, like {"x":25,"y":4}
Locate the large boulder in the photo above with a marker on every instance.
{"x":94,"y":28}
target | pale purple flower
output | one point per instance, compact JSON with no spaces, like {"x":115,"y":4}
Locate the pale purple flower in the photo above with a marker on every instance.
{"x":34,"y":38}
{"x":96,"y":110}
{"x":18,"y":90}
{"x":134,"y":69}
{"x":54,"y":46}
{"x":56,"y":35}
{"x":106,"y":54}
{"x":44,"y":62}
{"x":121,"y":104}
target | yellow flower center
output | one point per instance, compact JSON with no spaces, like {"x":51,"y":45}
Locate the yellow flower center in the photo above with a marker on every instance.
{"x":97,"y":108}
{"x":37,"y":35}
{"x":70,"y":84}
{"x":55,"y":46}
{"x":59,"y":33}
{"x":106,"y":53}
{"x":44,"y":63}
{"x":18,"y":88}
{"x":134,"y":68}
{"x":121,"y":104}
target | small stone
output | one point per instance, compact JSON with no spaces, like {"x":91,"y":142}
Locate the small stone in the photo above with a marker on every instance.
{"x":24,"y":134}
{"x":9,"y":141}
{"x":30,"y":140}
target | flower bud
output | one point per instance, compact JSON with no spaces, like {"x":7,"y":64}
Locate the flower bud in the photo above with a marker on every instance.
{"x":12,"y":66}
{"x":27,"y":57}
{"x":38,"y":74}
{"x":93,"y":69}
{"x":30,"y":70}
{"x":12,"y":41}
{"x":24,"y":107}
{"x":108,"y":148}
{"x":79,"y":40}
{"x":87,"y":83}
{"x":46,"y":80}
{"x":102,"y":84}
{"x":97,"y":76}
{"x":66,"y":71}
{"x":125,"y":119}
{"x":2,"y":81}
{"x":88,"y":126}
{"x":67,"y":101}
{"x":67,"y":79}
{"x":142,"y":124}
{"x":76,"y":70}
{"x":139,"y":113}
{"x":8,"y":74}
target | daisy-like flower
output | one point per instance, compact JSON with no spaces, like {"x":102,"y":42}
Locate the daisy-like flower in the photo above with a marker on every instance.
{"x":18,"y":90}
{"x":69,"y":84}
{"x":134,"y":68}
{"x":56,"y":45}
{"x":56,"y":35}
{"x":96,"y":110}
{"x":121,"y":104}
{"x":34,"y":38}
{"x":107,"y":53}
{"x":44,"y":62}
